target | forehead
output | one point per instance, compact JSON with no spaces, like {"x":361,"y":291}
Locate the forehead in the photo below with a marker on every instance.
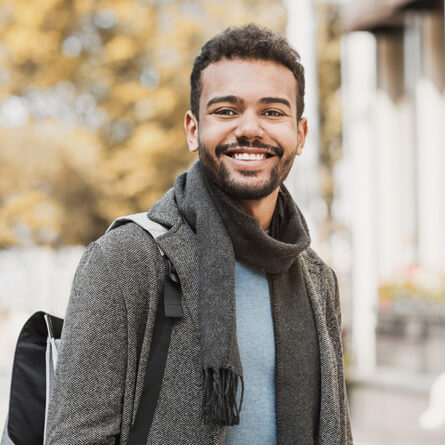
{"x":248,"y":79}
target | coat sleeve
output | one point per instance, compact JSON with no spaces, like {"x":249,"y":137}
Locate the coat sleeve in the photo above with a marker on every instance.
{"x":346,"y":422}
{"x":86,"y":402}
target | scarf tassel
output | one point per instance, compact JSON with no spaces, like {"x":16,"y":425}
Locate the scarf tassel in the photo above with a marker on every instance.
{"x":220,"y":406}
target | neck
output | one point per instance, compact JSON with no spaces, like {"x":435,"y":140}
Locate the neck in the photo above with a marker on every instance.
{"x":261,"y":209}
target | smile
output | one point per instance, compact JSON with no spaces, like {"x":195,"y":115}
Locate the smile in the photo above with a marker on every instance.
{"x":249,"y":156}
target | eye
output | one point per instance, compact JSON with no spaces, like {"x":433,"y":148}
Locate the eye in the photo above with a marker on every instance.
{"x":225,"y":112}
{"x":273,"y":113}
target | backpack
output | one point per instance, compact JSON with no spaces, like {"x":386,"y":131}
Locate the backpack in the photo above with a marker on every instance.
{"x":35,"y":361}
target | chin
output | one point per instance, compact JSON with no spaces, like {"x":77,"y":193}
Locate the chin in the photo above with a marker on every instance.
{"x":248,"y":189}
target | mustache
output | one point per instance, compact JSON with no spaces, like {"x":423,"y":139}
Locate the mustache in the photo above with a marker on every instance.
{"x":220,"y":149}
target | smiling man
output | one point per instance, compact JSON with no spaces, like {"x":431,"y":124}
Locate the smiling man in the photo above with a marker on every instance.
{"x":257,"y":357}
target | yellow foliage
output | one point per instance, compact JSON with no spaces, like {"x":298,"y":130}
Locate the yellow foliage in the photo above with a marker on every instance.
{"x":129,"y":92}
{"x":26,"y":43}
{"x":328,"y":39}
{"x":82,"y":6}
{"x":127,"y":11}
{"x":148,"y":137}
{"x":119,"y":49}
{"x":164,"y":100}
{"x":64,"y":183}
{"x":31,"y":209}
{"x":32,"y":14}
{"x":136,"y":20}
{"x":34,"y":174}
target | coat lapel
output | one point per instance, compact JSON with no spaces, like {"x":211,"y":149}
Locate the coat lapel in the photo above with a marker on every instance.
{"x":317,"y":288}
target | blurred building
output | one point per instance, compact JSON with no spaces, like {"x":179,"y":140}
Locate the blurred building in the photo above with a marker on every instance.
{"x":302,"y":182}
{"x":392,"y":199}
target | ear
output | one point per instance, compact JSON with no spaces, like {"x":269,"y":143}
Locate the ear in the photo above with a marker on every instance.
{"x":191,"y":130}
{"x":302,"y":133}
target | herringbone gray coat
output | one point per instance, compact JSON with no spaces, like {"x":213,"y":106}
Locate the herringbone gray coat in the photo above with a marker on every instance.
{"x":104,"y":350}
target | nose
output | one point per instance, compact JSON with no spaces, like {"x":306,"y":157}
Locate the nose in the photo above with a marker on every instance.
{"x":249,"y":126}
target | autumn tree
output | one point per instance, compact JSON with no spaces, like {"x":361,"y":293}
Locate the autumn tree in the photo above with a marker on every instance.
{"x":92,"y":99}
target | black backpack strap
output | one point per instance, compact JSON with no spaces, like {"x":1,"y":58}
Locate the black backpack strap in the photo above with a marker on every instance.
{"x":169,"y":307}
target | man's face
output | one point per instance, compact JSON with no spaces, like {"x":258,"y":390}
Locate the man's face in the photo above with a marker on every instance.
{"x":247,"y":135}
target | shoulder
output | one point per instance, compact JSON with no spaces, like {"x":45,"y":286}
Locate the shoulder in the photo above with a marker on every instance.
{"x":127,"y":240}
{"x":127,"y":253}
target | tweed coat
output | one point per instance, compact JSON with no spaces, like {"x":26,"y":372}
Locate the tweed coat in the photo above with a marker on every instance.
{"x":107,"y":334}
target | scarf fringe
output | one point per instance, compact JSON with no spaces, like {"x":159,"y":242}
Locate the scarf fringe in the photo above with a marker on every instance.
{"x":220,"y":406}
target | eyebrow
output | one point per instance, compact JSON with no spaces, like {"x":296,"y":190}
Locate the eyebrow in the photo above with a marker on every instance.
{"x":275,"y":100}
{"x":230,"y":99}
{"x":236,"y":100}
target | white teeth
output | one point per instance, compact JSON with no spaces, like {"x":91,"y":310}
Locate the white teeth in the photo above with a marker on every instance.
{"x":250,"y":156}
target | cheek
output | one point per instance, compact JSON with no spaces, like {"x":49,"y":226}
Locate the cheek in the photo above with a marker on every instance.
{"x":213,"y":129}
{"x":209,"y":135}
{"x":286,"y":137}
{"x":285,"y":130}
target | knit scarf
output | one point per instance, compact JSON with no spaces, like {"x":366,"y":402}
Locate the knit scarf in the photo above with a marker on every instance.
{"x":224,"y":232}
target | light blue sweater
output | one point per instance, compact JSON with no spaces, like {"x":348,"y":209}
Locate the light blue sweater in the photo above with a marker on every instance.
{"x":256,"y":343}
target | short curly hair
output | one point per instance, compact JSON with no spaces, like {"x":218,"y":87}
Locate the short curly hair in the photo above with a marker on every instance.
{"x":247,"y":42}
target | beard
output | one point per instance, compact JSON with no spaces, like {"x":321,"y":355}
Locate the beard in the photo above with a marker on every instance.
{"x":220,"y":176}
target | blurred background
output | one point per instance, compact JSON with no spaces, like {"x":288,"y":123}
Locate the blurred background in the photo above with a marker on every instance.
{"x":92,"y":99}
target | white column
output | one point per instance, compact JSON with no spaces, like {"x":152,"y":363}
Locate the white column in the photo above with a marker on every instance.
{"x":430,"y":112}
{"x":358,"y":192}
{"x":303,"y":178}
{"x":396,"y":179}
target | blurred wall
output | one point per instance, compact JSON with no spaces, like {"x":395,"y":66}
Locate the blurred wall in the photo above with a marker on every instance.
{"x":391,"y":197}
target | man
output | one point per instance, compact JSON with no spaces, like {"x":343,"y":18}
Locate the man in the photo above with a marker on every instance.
{"x":261,"y":310}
